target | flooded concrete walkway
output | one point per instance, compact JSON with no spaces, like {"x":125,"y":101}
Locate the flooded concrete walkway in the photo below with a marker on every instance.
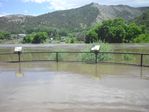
{"x":73,"y":87}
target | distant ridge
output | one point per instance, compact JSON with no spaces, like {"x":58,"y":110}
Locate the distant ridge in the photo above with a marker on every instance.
{"x":72,"y":20}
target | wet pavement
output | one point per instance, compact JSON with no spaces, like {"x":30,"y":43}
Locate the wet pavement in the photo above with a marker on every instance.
{"x":73,"y":87}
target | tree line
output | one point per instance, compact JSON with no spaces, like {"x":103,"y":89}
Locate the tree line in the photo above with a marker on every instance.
{"x":109,"y":31}
{"x":43,"y":36}
{"x":117,"y":31}
{"x":4,"y":35}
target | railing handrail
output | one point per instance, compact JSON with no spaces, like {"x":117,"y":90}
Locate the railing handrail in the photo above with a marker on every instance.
{"x":111,"y":52}
{"x":135,"y":53}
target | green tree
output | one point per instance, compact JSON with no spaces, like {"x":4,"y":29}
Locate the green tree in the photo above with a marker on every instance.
{"x":38,"y":37}
{"x":1,"y":35}
{"x":133,"y":30}
{"x":91,"y":36}
{"x":4,"y":35}
{"x":28,"y":38}
{"x":118,"y":34}
{"x":114,"y":31}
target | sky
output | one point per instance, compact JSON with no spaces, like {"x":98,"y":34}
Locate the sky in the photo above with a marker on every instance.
{"x":38,"y":7}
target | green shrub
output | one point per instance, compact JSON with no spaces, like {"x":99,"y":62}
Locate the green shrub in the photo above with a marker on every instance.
{"x":39,"y":37}
{"x":61,"y":56}
{"x":70,"y":40}
{"x":105,"y":47}
{"x":90,"y":57}
{"x":143,"y":38}
{"x":4,"y":35}
{"x":128,"y":57}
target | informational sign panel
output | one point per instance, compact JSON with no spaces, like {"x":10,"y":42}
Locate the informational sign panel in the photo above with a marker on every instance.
{"x":17,"y":49}
{"x":95,"y":48}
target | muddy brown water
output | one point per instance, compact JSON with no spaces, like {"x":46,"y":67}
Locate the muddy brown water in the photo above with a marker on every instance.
{"x":73,"y":87}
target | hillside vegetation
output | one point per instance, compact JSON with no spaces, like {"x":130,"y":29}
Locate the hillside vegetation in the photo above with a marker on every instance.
{"x":72,"y":20}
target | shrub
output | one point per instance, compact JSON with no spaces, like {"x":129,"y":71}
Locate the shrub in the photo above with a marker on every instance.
{"x":70,"y":40}
{"x":39,"y":37}
{"x":128,"y":57}
{"x":61,"y":56}
{"x":143,"y":38}
{"x":90,"y":57}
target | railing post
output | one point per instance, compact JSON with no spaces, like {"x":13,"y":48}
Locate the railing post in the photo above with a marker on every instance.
{"x":96,"y":56}
{"x":56,"y":56}
{"x":141,"y":61}
{"x":19,"y":56}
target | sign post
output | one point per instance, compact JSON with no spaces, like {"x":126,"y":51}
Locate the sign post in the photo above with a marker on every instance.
{"x":95,"y":49}
{"x":18,"y":50}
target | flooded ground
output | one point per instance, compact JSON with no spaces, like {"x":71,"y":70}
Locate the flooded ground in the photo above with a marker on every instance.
{"x":73,"y":87}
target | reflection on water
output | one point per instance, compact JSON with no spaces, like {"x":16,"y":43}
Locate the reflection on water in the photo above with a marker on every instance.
{"x":93,"y":70}
{"x":77,"y":87}
{"x":19,"y":72}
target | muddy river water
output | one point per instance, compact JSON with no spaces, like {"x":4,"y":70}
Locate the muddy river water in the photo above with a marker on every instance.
{"x":73,"y":87}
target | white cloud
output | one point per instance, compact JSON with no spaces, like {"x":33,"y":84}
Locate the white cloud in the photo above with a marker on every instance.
{"x":36,"y":1}
{"x":1,"y":15}
{"x":134,"y":3}
{"x":142,"y":2}
{"x":26,"y":12}
{"x":68,"y":4}
{"x":4,"y":14}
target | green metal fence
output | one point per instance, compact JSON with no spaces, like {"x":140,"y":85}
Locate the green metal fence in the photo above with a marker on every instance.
{"x":140,"y":59}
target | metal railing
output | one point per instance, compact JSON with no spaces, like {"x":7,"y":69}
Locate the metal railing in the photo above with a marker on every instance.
{"x":140,"y":59}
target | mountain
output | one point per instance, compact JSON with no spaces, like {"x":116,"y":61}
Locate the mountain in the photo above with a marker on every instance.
{"x":14,"y":23}
{"x":72,"y":20}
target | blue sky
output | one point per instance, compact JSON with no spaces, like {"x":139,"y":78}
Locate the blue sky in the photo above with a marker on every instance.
{"x":37,"y":7}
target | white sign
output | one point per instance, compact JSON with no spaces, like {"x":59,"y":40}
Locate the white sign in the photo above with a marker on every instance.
{"x":18,"y":49}
{"x":95,"y":48}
